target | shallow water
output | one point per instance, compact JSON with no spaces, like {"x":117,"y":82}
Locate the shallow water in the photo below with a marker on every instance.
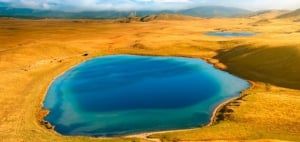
{"x":231,"y":34}
{"x":126,"y":94}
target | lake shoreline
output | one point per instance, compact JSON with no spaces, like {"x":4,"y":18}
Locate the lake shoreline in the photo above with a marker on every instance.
{"x":213,"y":118}
{"x":145,"y":135}
{"x":42,"y":113}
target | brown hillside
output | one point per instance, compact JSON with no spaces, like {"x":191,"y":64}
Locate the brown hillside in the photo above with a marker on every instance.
{"x":149,"y":18}
{"x":294,"y":15}
{"x":268,"y":14}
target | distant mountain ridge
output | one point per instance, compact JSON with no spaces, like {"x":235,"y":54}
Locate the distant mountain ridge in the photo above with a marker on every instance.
{"x":204,"y":11}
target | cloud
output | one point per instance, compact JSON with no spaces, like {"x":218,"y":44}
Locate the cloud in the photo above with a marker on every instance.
{"x":257,"y":4}
{"x":167,"y":1}
{"x":276,"y":4}
{"x":81,"y":5}
{"x":164,"y":1}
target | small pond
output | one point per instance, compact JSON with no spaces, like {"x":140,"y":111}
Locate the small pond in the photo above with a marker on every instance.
{"x":231,"y":34}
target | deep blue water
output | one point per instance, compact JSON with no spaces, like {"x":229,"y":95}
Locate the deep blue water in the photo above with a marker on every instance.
{"x":126,"y":94}
{"x":231,"y":34}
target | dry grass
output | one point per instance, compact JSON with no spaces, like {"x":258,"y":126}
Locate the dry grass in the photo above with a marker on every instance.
{"x":34,"y":52}
{"x":262,"y":114}
{"x":280,"y":64}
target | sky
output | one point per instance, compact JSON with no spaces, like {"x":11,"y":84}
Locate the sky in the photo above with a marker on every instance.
{"x":94,"y":5}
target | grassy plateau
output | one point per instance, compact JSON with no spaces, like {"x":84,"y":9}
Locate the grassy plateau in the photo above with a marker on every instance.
{"x":34,"y":52}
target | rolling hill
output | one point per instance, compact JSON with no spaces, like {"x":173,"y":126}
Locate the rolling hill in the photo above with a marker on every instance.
{"x":148,"y":18}
{"x":268,"y":14}
{"x":294,"y":15}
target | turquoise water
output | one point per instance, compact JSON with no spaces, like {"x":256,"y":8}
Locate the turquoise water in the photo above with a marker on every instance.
{"x":127,"y":94}
{"x":231,"y":34}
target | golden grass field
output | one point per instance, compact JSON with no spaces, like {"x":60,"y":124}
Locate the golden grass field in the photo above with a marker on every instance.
{"x":34,"y":52}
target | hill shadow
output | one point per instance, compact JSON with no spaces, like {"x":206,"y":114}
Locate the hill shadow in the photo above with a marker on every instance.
{"x":275,"y":65}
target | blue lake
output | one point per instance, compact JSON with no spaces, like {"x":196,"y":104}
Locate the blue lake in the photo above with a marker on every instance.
{"x":127,"y":94}
{"x":231,"y":34}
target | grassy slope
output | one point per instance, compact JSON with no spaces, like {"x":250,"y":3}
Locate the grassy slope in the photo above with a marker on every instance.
{"x":255,"y":63}
{"x":32,"y":53}
{"x":272,"y":57}
{"x":294,"y":14}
